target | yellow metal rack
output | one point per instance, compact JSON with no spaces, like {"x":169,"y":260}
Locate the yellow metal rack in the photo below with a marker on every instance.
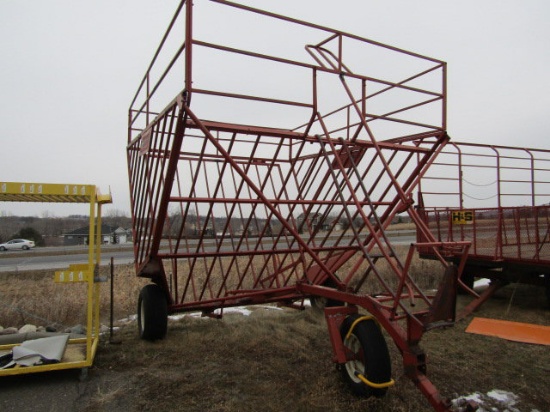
{"x":82,"y":350}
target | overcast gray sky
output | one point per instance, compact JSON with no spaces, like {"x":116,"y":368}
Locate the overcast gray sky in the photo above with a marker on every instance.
{"x":69,"y":69}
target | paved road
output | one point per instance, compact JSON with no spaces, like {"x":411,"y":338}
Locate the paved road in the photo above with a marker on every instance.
{"x":59,"y":258}
{"x":62,"y":257}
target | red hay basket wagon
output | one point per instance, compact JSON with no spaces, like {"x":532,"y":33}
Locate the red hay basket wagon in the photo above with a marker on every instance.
{"x":264,"y":172}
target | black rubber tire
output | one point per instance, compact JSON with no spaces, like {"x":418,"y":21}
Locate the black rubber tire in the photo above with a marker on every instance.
{"x":3,"y":249}
{"x":25,"y":248}
{"x":152,"y":313}
{"x":372,"y":357}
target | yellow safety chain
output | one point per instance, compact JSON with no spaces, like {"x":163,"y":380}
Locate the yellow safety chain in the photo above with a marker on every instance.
{"x":376,"y":385}
{"x":360,"y":319}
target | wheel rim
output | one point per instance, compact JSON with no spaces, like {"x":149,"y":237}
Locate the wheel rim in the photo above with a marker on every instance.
{"x":356,"y":365}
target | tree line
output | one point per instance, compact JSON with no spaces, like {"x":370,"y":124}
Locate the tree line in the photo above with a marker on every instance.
{"x":48,"y":231}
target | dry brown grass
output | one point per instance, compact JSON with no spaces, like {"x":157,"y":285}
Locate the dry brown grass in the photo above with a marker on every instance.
{"x":281,"y":361}
{"x":33,"y":297}
{"x":275,"y":360}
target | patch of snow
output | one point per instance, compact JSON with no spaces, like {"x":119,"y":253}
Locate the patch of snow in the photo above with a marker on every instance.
{"x":494,"y":401}
{"x":179,"y":316}
{"x":269,"y":307}
{"x":182,"y":315}
{"x":481,"y":284}
{"x":242,"y":310}
{"x":104,"y":332}
{"x":131,"y":318}
{"x":502,"y":396}
{"x":476,"y":397}
{"x":459,"y":403}
{"x":239,"y":309}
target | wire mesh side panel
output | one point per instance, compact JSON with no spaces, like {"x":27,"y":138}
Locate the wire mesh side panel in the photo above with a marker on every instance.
{"x":250,"y":215}
{"x":151,"y":169}
{"x":496,"y":197}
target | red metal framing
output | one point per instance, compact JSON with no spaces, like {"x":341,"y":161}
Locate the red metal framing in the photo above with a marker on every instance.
{"x":506,"y":191}
{"x":229,"y":212}
{"x":510,"y":213}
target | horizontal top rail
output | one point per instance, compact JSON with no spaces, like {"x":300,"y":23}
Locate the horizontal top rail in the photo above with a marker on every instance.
{"x":51,"y":192}
{"x":181,"y":63}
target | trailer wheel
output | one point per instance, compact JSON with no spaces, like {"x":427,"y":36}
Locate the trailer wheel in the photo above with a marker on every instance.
{"x":371,"y":357}
{"x":319,"y":303}
{"x":152,"y":313}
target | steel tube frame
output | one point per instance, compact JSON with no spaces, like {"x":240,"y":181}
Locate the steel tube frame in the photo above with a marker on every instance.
{"x":509,"y":239}
{"x":228,"y":179}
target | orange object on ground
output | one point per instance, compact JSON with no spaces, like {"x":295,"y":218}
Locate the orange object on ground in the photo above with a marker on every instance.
{"x":515,"y":331}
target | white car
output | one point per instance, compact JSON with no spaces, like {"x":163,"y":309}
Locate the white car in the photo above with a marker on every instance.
{"x":15,"y":244}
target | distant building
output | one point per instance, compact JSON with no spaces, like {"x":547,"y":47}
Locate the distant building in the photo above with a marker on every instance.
{"x":109,"y":235}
